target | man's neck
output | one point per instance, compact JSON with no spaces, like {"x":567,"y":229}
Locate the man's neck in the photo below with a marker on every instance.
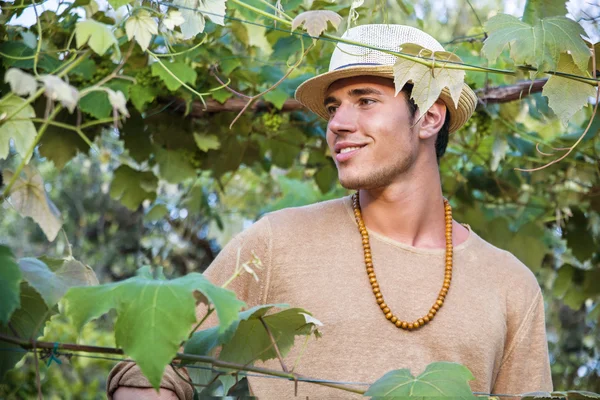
{"x":410,"y":212}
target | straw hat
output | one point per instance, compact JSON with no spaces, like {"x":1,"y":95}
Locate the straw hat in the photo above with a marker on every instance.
{"x":349,"y":60}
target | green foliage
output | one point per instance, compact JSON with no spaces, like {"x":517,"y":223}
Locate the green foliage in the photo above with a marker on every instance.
{"x":9,"y":284}
{"x":440,"y":379}
{"x":21,"y":131}
{"x":153,"y":312}
{"x":168,"y":71}
{"x":132,"y":187}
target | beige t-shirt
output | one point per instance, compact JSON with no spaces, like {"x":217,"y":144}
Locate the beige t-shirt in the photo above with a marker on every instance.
{"x":492,"y":320}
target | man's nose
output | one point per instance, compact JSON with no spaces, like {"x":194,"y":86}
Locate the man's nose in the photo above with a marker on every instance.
{"x":343,"y":120}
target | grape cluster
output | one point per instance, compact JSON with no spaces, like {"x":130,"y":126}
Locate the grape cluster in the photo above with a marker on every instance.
{"x":480,"y":123}
{"x":103,"y":68}
{"x":144,"y":78}
{"x":272,"y":121}
{"x":191,"y":156}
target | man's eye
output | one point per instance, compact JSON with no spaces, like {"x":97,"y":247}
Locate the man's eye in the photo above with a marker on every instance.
{"x":331,"y":109}
{"x":366,"y":102}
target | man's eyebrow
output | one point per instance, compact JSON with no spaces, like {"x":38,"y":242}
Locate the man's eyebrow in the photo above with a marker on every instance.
{"x":364,"y":91}
{"x":329,"y":99}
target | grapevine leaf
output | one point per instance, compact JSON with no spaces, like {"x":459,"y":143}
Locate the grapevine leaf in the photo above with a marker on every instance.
{"x":22,"y":131}
{"x":193,"y":14}
{"x":563,"y":280}
{"x":499,"y":149}
{"x":428,"y":83}
{"x":251,"y":342}
{"x":57,"y":89}
{"x":174,"y":18}
{"x":173,"y":165}
{"x":578,"y":236}
{"x":207,"y":142}
{"x":29,"y":199}
{"x":53,"y":283}
{"x":96,"y":104}
{"x":136,"y":139}
{"x":277,"y":97}
{"x":10,"y":279}
{"x":31,"y":314}
{"x":315,"y":21}
{"x":157,"y":212}
{"x":539,"y":45}
{"x":86,"y":69}
{"x":152,"y":314}
{"x":141,"y":27}
{"x":118,"y":102}
{"x":132,"y":187}
{"x":565,"y":103}
{"x":96,"y":34}
{"x":181,"y":70}
{"x":141,"y":95}
{"x":326,"y":177}
{"x":118,"y":3}
{"x":21,"y":83}
{"x":60,"y":145}
{"x":438,"y":379}
{"x":539,"y":9}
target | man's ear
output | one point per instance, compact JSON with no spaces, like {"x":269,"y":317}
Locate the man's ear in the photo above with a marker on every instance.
{"x":433,"y":120}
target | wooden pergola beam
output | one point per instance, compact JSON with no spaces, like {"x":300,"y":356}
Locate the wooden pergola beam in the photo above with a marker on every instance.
{"x":497,"y":94}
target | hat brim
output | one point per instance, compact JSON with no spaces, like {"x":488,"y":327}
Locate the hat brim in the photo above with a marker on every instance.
{"x":311,"y":93}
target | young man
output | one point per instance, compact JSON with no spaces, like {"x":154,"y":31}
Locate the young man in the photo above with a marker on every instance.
{"x":396,"y":282}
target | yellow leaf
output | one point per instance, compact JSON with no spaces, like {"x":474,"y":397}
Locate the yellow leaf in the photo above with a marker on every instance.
{"x":315,"y":22}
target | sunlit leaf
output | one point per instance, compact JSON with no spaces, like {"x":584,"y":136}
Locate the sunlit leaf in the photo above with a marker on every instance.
{"x":207,"y":142}
{"x":28,"y":197}
{"x":97,"y":35}
{"x":118,"y":102}
{"x":539,"y":9}
{"x":21,"y":83}
{"x":19,"y":128}
{"x":315,"y":21}
{"x":152,"y":313}
{"x":157,"y":212}
{"x":169,"y":71}
{"x":174,"y":18}
{"x":173,"y":166}
{"x":427,"y":82}
{"x":141,"y":27}
{"x":59,"y":90}
{"x":194,"y":12}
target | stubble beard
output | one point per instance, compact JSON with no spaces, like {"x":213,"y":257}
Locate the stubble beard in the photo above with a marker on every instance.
{"x":378,"y":176}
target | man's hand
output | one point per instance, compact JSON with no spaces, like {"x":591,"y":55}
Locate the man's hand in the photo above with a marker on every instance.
{"x":131,"y":393}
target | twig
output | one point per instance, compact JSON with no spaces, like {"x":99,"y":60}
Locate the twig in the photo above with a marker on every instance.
{"x":213,"y":71}
{"x":272,"y":338}
{"x":13,"y":330}
{"x":210,"y":311}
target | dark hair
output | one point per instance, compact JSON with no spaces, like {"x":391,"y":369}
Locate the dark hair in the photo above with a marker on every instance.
{"x":441,"y":142}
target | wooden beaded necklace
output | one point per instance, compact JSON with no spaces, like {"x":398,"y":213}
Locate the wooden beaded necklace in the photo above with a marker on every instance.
{"x":373,"y":279}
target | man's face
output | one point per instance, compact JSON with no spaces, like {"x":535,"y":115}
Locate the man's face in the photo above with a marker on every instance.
{"x":369,"y":133}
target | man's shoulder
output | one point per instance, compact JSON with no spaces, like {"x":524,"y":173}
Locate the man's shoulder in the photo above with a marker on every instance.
{"x":316,"y":213}
{"x":502,"y":263}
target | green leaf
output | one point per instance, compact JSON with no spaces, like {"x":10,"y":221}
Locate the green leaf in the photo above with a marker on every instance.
{"x":97,"y":35}
{"x":539,"y":9}
{"x":28,"y":197}
{"x":32,"y":314}
{"x":563,"y":280}
{"x":183,"y":71}
{"x":221,"y":95}
{"x":156,"y":213}
{"x":136,"y":138}
{"x":277,"y":97}
{"x":575,"y":297}
{"x":207,"y":142}
{"x":141,"y":95}
{"x":565,"y":103}
{"x":85,"y":69}
{"x":152,"y":314}
{"x":428,"y":83}
{"x":10,"y":279}
{"x":52,"y":284}
{"x":132,"y":187}
{"x":61,"y":145}
{"x":118,"y":3}
{"x":440,"y":379}
{"x":326,"y":177}
{"x":22,"y":132}
{"x":250,"y":342}
{"x":579,"y":238}
{"x":173,"y":166}
{"x":558,"y":35}
{"x":96,"y":104}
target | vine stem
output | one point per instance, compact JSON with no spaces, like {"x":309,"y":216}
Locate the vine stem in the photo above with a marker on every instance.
{"x":26,"y":344}
{"x":29,"y":153}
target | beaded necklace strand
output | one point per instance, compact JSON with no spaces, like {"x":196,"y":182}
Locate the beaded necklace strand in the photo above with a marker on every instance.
{"x":373,"y":279}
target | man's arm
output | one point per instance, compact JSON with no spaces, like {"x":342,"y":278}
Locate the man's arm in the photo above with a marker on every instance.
{"x":126,"y":380}
{"x":526,"y":366}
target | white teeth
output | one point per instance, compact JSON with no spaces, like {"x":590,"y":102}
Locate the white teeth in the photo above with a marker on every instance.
{"x":347,"y":149}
